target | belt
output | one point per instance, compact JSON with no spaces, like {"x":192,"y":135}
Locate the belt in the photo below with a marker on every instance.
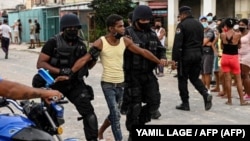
{"x":114,"y":84}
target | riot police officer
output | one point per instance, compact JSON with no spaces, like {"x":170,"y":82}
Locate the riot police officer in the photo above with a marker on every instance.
{"x":187,"y":53}
{"x":58,"y":55}
{"x":141,"y":83}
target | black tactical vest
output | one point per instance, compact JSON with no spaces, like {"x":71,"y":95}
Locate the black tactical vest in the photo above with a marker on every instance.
{"x":137,"y":63}
{"x":65,"y":55}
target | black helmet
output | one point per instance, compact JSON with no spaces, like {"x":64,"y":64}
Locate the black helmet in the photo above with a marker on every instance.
{"x":69,"y":20}
{"x":142,"y":12}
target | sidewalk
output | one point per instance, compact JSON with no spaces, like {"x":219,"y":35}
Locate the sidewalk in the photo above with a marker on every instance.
{"x":24,"y":46}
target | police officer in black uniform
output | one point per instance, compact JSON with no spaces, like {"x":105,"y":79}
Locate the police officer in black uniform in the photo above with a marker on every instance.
{"x":58,"y":55}
{"x":187,"y":55}
{"x":141,"y":83}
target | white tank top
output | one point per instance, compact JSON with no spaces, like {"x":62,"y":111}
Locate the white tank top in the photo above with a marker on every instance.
{"x":158,"y":34}
{"x":112,"y":61}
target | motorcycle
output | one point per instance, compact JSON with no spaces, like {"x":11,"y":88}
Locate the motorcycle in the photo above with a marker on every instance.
{"x":40,"y":122}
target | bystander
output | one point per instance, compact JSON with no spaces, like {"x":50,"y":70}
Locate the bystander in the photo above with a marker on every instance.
{"x":6,"y":37}
{"x":37,"y":33}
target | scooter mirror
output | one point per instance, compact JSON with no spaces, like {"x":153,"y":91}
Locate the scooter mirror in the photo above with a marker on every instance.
{"x":46,"y":76}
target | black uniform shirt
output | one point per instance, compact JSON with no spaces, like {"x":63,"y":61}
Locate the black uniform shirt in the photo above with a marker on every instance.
{"x":189,"y":35}
{"x":49,"y":47}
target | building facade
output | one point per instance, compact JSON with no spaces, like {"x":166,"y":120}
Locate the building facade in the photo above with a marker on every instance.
{"x":166,"y":10}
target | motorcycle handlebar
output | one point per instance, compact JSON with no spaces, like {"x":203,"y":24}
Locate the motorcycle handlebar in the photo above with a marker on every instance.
{"x":62,"y":102}
{"x":5,"y":102}
{"x":15,"y":104}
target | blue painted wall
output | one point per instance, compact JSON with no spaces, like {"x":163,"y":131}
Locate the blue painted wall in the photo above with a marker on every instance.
{"x":48,"y":19}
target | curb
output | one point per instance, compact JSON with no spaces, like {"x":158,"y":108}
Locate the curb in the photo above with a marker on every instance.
{"x":24,"y":47}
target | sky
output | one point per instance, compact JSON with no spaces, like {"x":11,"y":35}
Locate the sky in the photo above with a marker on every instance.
{"x":6,"y":4}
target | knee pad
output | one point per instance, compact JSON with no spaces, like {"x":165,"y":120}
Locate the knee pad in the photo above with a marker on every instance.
{"x":90,"y":127}
{"x":145,"y":115}
{"x":91,"y":121}
{"x":136,"y":109}
{"x":132,"y":116}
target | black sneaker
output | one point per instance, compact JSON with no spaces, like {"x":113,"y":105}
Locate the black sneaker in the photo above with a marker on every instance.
{"x":208,"y":101}
{"x":156,"y":115}
{"x":183,"y":106}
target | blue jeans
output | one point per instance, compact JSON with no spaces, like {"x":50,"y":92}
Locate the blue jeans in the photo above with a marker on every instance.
{"x":114,"y":94}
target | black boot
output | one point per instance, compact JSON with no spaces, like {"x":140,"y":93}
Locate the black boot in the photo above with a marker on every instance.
{"x":156,"y":115}
{"x":6,"y":55}
{"x":129,"y":137}
{"x":183,"y":106}
{"x":124,"y":108}
{"x":207,"y":101}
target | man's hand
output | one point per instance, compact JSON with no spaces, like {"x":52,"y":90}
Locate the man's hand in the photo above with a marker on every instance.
{"x":174,"y":65}
{"x":49,"y":95}
{"x":61,"y":78}
{"x":163,"y":62}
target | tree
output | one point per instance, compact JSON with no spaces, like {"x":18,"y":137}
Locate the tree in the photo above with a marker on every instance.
{"x":103,"y":8}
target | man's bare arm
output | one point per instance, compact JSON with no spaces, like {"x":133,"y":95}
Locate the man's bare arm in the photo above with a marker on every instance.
{"x":18,"y":91}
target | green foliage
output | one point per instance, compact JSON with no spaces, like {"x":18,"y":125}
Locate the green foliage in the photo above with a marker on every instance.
{"x":96,"y":33}
{"x":103,"y":8}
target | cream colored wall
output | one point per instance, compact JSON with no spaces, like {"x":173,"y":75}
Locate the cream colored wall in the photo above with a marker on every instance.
{"x":28,"y":4}
{"x":170,"y":38}
{"x":242,"y":8}
{"x":172,"y":21}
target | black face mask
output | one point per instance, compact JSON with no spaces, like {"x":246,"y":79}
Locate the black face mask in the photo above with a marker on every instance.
{"x":241,"y":29}
{"x":144,"y":26}
{"x":71,"y":34}
{"x":118,"y":35}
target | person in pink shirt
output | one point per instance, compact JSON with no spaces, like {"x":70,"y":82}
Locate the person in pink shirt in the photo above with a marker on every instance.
{"x":244,"y":56}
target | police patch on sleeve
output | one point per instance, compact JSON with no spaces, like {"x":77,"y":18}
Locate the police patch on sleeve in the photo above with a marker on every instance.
{"x":178,"y":30}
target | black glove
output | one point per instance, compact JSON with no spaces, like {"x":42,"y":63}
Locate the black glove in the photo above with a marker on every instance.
{"x":94,"y":52}
{"x":66,"y":71}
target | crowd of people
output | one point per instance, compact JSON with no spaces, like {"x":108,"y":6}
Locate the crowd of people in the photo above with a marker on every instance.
{"x":202,"y":49}
{"x":13,"y":34}
{"x":224,"y":58}
{"x":229,"y":48}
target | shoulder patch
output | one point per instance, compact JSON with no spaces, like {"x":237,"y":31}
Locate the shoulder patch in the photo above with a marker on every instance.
{"x":178,"y":30}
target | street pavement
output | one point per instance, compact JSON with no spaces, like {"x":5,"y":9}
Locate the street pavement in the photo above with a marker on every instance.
{"x":219,"y":114}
